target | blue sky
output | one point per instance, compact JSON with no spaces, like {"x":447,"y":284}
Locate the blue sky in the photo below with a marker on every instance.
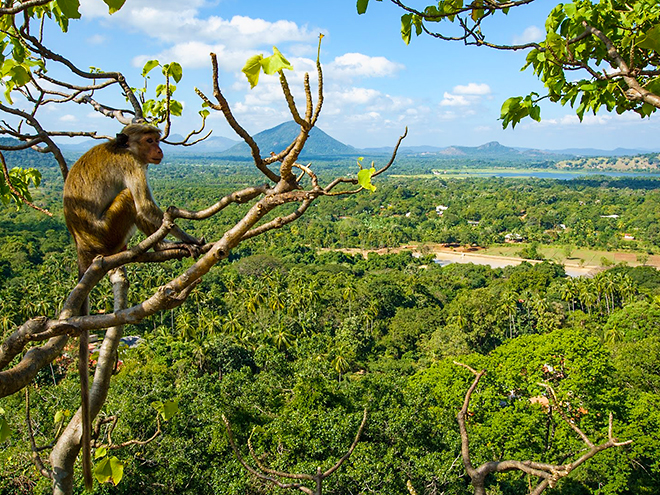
{"x":447,"y":94}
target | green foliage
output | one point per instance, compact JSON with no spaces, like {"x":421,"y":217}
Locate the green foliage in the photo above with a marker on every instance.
{"x":632,"y":32}
{"x":292,"y":342}
{"x":5,"y":430}
{"x":163,"y":105}
{"x":21,"y":180}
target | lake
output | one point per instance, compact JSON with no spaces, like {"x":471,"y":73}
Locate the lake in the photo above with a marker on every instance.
{"x":542,"y":174}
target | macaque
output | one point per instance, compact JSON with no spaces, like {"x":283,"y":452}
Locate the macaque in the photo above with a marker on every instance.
{"x":106,"y":197}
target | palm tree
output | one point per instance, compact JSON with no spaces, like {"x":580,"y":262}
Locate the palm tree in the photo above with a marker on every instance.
{"x":613,"y":335}
{"x":209,"y":320}
{"x":509,"y":304}
{"x":282,"y":338}
{"x":232,"y":324}
{"x":349,"y":293}
{"x":569,"y":293}
{"x":184,"y":325}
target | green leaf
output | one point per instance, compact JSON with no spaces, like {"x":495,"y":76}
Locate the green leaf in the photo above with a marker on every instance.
{"x":176,"y":108}
{"x":100,"y":452}
{"x":535,"y":113}
{"x":70,"y":8}
{"x":275,"y":63}
{"x":5,"y":431}
{"x":406,"y":28}
{"x":508,"y":104}
{"x":20,"y":76}
{"x":252,"y":69}
{"x":362,"y":6}
{"x":570,"y":9}
{"x":364,"y":178}
{"x":114,"y":5}
{"x":651,"y":39}
{"x":62,"y":414}
{"x":175,"y":71}
{"x":148,"y":66}
{"x":167,"y":409}
{"x":109,"y":470}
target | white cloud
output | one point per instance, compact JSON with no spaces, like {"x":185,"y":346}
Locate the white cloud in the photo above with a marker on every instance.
{"x":68,"y":118}
{"x":466,"y":95}
{"x":359,"y":65}
{"x":529,"y":35}
{"x":451,"y":100}
{"x":196,"y":54}
{"x":572,"y":119}
{"x":472,"y":89}
{"x":97,"y":39}
{"x":168,"y":21}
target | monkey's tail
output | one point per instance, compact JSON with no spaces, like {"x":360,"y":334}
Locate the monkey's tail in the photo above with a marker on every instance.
{"x":83,"y":362}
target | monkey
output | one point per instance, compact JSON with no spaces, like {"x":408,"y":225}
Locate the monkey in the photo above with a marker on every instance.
{"x":106,"y":198}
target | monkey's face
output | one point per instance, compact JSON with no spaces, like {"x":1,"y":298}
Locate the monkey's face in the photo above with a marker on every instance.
{"x":150,"y":151}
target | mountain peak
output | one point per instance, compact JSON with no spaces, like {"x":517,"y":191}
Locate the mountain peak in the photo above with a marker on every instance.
{"x":275,"y":139}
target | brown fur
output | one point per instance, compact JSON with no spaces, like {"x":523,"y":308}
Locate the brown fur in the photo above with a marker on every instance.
{"x":106,"y":197}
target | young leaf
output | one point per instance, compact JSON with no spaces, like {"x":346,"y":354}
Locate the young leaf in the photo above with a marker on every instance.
{"x":175,"y":71}
{"x":109,"y":470}
{"x":148,"y":66}
{"x":117,"y":468}
{"x":166,"y":409}
{"x":62,"y":414}
{"x":103,"y":471}
{"x":406,"y":27}
{"x":275,"y":63}
{"x":100,"y":452}
{"x":252,"y":68}
{"x":364,"y":178}
{"x":5,"y":431}
{"x":170,"y":408}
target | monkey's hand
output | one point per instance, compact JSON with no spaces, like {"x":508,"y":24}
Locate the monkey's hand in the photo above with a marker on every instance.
{"x":194,"y":249}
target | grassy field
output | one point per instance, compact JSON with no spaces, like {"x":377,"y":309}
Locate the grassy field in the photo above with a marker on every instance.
{"x":576,"y":256}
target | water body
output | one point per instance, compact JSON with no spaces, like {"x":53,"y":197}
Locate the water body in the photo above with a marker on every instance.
{"x":546,"y":174}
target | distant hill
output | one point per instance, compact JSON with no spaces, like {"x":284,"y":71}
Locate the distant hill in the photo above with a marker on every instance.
{"x":597,"y":152}
{"x":28,"y":158}
{"x":319,"y":144}
{"x":212,"y":144}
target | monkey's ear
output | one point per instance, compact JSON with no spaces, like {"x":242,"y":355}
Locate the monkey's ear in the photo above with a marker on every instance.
{"x":122,"y":140}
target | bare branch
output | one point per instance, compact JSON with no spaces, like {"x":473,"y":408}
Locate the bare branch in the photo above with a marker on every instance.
{"x":549,"y":474}
{"x":271,"y":475}
{"x":22,"y":6}
{"x":36,"y":458}
{"x":223,"y":106}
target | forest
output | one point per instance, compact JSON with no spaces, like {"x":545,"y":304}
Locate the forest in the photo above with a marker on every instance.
{"x":292,"y":343}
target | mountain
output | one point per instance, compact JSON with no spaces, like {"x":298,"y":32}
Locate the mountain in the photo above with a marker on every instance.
{"x":596,"y":152}
{"x":319,"y":144}
{"x":212,"y":144}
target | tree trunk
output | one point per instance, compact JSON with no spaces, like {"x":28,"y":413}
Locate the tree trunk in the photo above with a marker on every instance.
{"x":65,"y":452}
